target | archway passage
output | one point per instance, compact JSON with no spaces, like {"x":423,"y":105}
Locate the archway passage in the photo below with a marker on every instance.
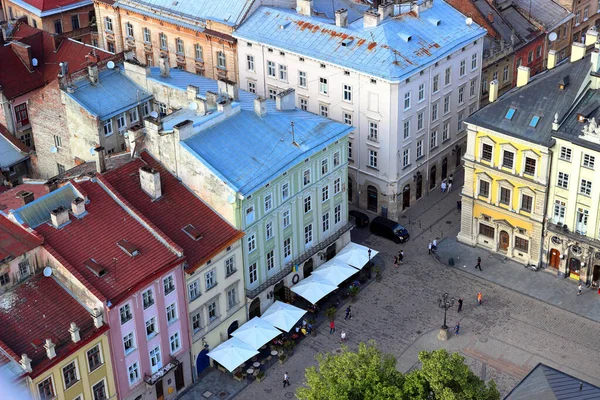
{"x":574,"y":266}
{"x":596,"y":273}
{"x":232,"y":328}
{"x":330,"y":252}
{"x":202,"y":361}
{"x":406,"y":197}
{"x":432,"y":176}
{"x":279,"y":291}
{"x":554,"y":258}
{"x":254,"y":309}
{"x":419,"y":186}
{"x":372,"y":198}
{"x":444,"y":168}
{"x":504,"y":240}
{"x":308,"y":268}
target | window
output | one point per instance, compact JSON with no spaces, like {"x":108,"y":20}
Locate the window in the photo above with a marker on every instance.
{"x":283,"y":72}
{"x":373,"y":130}
{"x":486,"y":230}
{"x":484,"y":189}
{"x":270,"y":260}
{"x":212,"y":311}
{"x":585,"y":187}
{"x":94,"y":358}
{"x":505,"y":196}
{"x":325,"y":193}
{"x":336,"y":159}
{"x":505,"y":74}
{"x":221,"y":62}
{"x":194,"y":290}
{"x":337,"y":183}
{"x":586,"y":12}
{"x":306,"y":177}
{"x":199,"y":54}
{"x":436,"y":84}
{"x":61,"y":168}
{"x":302,"y":79}
{"x":303,"y":104}
{"x":75,"y":22}
{"x":419,"y":149}
{"x":473,"y":88}
{"x":337,"y":214}
{"x":307,"y":204}
{"x":108,"y":25}
{"x":125,"y":313}
{"x":146,"y":109}
{"x":526,"y":203}
{"x":108,"y":130}
{"x":99,"y":391}
{"x":46,"y":389}
{"x":151,"y":327}
{"x":147,"y":298}
{"x":484,"y":85}
{"x":563,"y":180}
{"x":534,"y":121}
{"x":420,"y":119}
{"x":348,"y":119}
{"x":433,"y":140}
{"x":163,"y":41}
{"x":347,"y":93}
{"x":285,"y":191}
{"x":172,"y":313}
{"x":269,"y":230}
{"x":4,"y":279}
{"x":324,"y":110}
{"x":168,"y":285}
{"x":372,"y":158}
{"x":508,"y":159}
{"x":405,"y":158}
{"x":21,"y":115}
{"x":231,"y":298}
{"x":324,"y":166}
{"x":447,"y":75}
{"x":70,"y":375}
{"x":349,"y":150}
{"x":325,"y":222}
{"x":588,"y":161}
{"x":406,"y":129}
{"x":155,"y":359}
{"x":252,"y":273}
{"x":486,"y":152}
{"x":121,"y":123}
{"x":565,"y":153}
{"x":421,"y":92}
{"x":406,"y":100}
{"x":461,"y":95}
{"x":308,"y":234}
{"x":434,"y":112}
{"x":287,"y":248}
{"x":521,"y":244}
{"x":128,"y":343}
{"x":529,"y":166}
{"x":559,"y":211}
{"x":134,"y":373}
{"x":473,"y":61}
{"x":252,"y":87}
{"x":268,"y":203}
{"x":133,"y":115}
{"x":323,"y":87}
{"x":230,"y":266}
{"x":446,"y":131}
{"x":581,"y":221}
{"x":447,"y":104}
{"x":461,"y":118}
{"x":250,"y":62}
{"x":147,"y":36}
{"x":174,"y":342}
{"x":249,"y":215}
{"x":251,"y":243}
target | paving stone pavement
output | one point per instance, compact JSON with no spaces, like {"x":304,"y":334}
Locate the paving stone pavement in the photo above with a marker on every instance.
{"x":502,"y":339}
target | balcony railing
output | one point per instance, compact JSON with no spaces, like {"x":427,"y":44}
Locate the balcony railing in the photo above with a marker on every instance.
{"x":152,"y":379}
{"x":251,"y":293}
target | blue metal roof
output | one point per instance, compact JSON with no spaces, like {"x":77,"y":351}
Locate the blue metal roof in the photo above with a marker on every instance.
{"x":9,"y":153}
{"x":38,"y":211}
{"x":112,"y":95}
{"x":380,"y":51}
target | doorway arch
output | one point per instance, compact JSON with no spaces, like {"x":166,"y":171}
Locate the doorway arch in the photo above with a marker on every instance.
{"x":254,"y":309}
{"x":432,"y":174}
{"x":406,"y":197}
{"x":307,"y":269}
{"x":232,"y":328}
{"x":279,"y":291}
{"x":372,"y":198}
{"x":330,"y":252}
{"x":419,"y":186}
{"x":202,"y":361}
{"x":349,"y":190}
{"x":504,"y":240}
{"x":444,"y":168}
{"x":554,"y":258}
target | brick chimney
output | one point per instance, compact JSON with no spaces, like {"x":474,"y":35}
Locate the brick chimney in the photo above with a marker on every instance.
{"x":59,"y":216}
{"x":370,"y":19}
{"x":25,"y":363}
{"x":150,"y":182}
{"x":50,"y":349}
{"x":78,"y":207}
{"x":25,"y":197}
{"x":23,"y":51}
{"x":92,"y":58}
{"x":74,"y":331}
{"x":93,"y":73}
{"x":341,"y":17}
{"x":100,"y":161}
{"x":184,"y":129}
{"x":97,"y":316}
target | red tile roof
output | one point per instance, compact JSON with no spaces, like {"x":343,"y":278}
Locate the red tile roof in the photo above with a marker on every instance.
{"x":45,"y":5}
{"x":176,"y":208}
{"x":12,"y":139}
{"x":39,"y":309}
{"x":9,"y":200}
{"x":96,"y":236}
{"x":14,"y":240}
{"x":16,"y":78}
{"x":469,"y":9}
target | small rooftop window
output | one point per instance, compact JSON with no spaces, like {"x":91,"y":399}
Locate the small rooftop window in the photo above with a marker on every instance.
{"x":510,"y":113}
{"x":96,"y":268}
{"x":534,"y":121}
{"x":192,"y":232}
{"x":128,"y":248}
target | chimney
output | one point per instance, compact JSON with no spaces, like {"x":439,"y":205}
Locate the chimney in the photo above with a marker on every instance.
{"x":228,"y":87}
{"x":224,"y":106}
{"x":150,"y":182}
{"x":25,"y":197}
{"x":25,"y":363}
{"x":260,"y":106}
{"x":78,"y":207}
{"x":165,"y":69}
{"x":552,"y":55}
{"x":591,"y":36}
{"x":97,"y":316}
{"x":51,"y":185}
{"x":211,"y":98}
{"x":370,"y":19}
{"x":493,"y":91}
{"x":577,"y":51}
{"x":192,"y":92}
{"x":385,"y":9}
{"x":100,"y":161}
{"x":341,"y":18}
{"x":23,"y":51}
{"x":74,"y":331}
{"x":595,"y":57}
{"x":93,"y":73}
{"x":184,"y":129}
{"x":304,"y":7}
{"x":555,"y":124}
{"x":286,"y":100}
{"x":523,"y":74}
{"x":50,"y":349}
{"x":92,"y":58}
{"x":59,"y":216}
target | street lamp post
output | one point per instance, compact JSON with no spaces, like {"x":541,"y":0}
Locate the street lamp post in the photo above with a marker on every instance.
{"x":369,"y":266}
{"x":445,"y":303}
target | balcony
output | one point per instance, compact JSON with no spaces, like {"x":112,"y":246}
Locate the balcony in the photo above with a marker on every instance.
{"x":299,"y":260}
{"x":152,"y":379}
{"x":565,"y":231}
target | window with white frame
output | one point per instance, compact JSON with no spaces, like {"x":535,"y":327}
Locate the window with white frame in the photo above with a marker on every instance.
{"x":269,"y":230}
{"x":270,"y":260}
{"x":505,"y":196}
{"x":348,"y":119}
{"x":505,"y":74}
{"x":252,"y":87}
{"x":162,"y":109}
{"x":230,"y":266}
{"x":148,"y":298}
{"x":526,"y":203}
{"x":581,"y":221}
{"x":171,"y":313}
{"x":407,"y":100}
{"x":508,"y":159}
{"x":179,"y":46}
{"x":212,"y":311}
{"x":560,"y":208}
{"x":221,"y":61}
{"x":121,"y":123}
{"x":421,"y":92}
{"x":486,"y":152}
{"x":325,"y":193}
{"x":446,"y":104}
{"x":434,"y":112}
{"x":324,"y":110}
{"x":420,"y":149}
{"x":24,"y":269}
{"x":565,"y":153}
{"x":286,"y":218}
{"x":372,"y":158}
{"x":194,"y":290}
{"x":249,"y":215}
{"x":563,"y":180}
{"x":585,"y":187}
{"x":199,"y":54}
{"x":349,"y":150}
{"x":99,"y":391}
{"x":406,"y":129}
{"x":463,"y":68}
{"x":529,"y":166}
{"x":169,"y":284}
{"x":268,"y":202}
{"x":446,"y":130}
{"x":250,"y":62}
{"x":337,"y":214}
{"x":336,"y":159}
{"x":307,"y":204}
{"x":46,"y":389}
{"x":420,"y":120}
{"x":134,"y":373}
{"x":461,"y":118}
{"x":473,"y":61}
{"x":589,"y":161}
{"x":151,"y":327}
{"x":306,"y":177}
{"x":405,"y":158}
{"x":129,"y":29}
{"x":433,"y":139}
{"x":196,"y":321}
{"x":174,"y":342}
{"x":435,"y":87}
{"x":484,"y":188}
{"x":128,"y":343}
{"x":94,"y":358}
{"x":253,"y":273}
{"x":287,"y":248}
{"x":325,"y":222}
{"x":461,"y":95}
{"x":473,"y":87}
{"x":133,"y":115}
{"x":373,"y":130}
{"x":308,"y":234}
{"x":147,"y":35}
{"x":107,"y":127}
{"x":302,"y":79}
{"x":324,"y":166}
{"x":146,"y":109}
{"x":251,"y":243}
{"x":285,"y":190}
{"x":347,"y":93}
{"x":447,"y":76}
{"x":108,"y":25}
{"x":155,"y":360}
{"x":231,"y":298}
{"x":125,"y":313}
{"x":303,"y":104}
{"x":283,"y":75}
{"x":323,"y":86}
{"x":271,"y":69}
{"x":337,"y":185}
{"x":70,"y":374}
{"x":163,"y":41}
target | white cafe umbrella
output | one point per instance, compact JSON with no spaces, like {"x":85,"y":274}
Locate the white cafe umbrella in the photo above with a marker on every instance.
{"x":335,"y":271}
{"x":283,"y":316}
{"x":355,"y":255}
{"x":232,"y":353}
{"x":256,"y":332}
{"x":314,"y":288}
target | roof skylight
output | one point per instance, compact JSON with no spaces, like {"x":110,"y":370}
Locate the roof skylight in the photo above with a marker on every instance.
{"x":534,"y":121}
{"x":510,"y":113}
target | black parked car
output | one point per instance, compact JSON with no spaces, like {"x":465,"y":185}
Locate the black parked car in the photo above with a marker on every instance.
{"x":389,"y":229}
{"x":360,"y":219}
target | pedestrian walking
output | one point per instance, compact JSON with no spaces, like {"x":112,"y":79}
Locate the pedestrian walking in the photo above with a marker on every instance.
{"x":429,"y":247}
{"x":401,"y":257}
{"x":286,"y":379}
{"x":460,"y":302}
{"x":434,"y":245}
{"x":331,"y":327}
{"x":478,"y":264}
{"x":457,"y":329}
{"x":443,"y":186}
{"x":579,"y":287}
{"x":479,"y":298}
{"x":343,"y":337}
{"x":395,"y":261}
{"x":348,"y":313}
{"x":450,"y":179}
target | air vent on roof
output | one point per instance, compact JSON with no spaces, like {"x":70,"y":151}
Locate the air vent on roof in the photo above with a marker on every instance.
{"x":405,"y":36}
{"x":347,"y":42}
{"x":128,"y":248}
{"x":96,"y":268}
{"x":284,"y":25}
{"x":587,"y":112}
{"x":192,"y":232}
{"x":564,"y":82}
{"x":434,"y":21}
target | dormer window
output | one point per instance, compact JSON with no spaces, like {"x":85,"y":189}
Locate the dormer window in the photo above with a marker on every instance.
{"x":534,"y":121}
{"x":192,"y":232}
{"x":128,"y":248}
{"x":96,"y":268}
{"x":510,"y":113}
{"x":564,"y":82}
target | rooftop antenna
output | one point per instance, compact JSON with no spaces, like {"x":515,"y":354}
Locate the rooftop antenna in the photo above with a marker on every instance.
{"x":293,"y":136}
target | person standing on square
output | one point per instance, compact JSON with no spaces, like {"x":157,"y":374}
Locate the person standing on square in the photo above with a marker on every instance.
{"x":460,"y":303}
{"x":478,"y":264}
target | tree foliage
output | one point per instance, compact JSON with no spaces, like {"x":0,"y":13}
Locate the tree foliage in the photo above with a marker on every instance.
{"x":371,"y":374}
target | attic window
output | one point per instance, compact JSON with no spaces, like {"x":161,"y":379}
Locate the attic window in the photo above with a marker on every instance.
{"x":564,"y":82}
{"x":192,"y":232}
{"x":510,"y":113}
{"x":128,"y":248}
{"x":322,"y":65}
{"x":281,"y":53}
{"x":300,"y":58}
{"x":347,"y":73}
{"x":373,"y":81}
{"x":534,"y":121}
{"x":96,"y":268}
{"x":249,"y":44}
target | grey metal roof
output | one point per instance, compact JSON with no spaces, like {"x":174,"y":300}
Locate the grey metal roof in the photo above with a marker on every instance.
{"x":524,"y":29}
{"x":541,"y":97}
{"x":9,"y":153}
{"x":547,"y":12}
{"x":500,"y":25}
{"x":547,"y":383}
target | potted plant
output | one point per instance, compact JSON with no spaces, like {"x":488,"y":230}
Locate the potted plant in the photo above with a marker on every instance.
{"x":377,"y":273}
{"x":353,"y":291}
{"x":282,"y":358}
{"x":238,"y":376}
{"x":261,"y":376}
{"x":330,"y":313}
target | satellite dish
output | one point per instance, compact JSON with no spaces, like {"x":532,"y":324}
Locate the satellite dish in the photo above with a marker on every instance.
{"x":154,"y":114}
{"x":231,"y":199}
{"x":553,"y":36}
{"x":110,"y":64}
{"x":469,"y":21}
{"x":34,"y":62}
{"x":193,"y":106}
{"x":53,"y":149}
{"x":93,"y":151}
{"x":47,"y":272}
